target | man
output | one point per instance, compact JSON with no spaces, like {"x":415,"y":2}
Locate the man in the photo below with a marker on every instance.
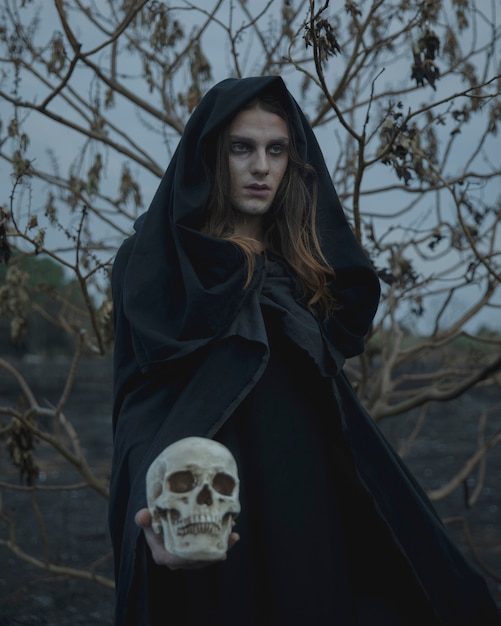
{"x":236,"y":302}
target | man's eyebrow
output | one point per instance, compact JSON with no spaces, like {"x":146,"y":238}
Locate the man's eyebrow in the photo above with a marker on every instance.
{"x":249,"y":140}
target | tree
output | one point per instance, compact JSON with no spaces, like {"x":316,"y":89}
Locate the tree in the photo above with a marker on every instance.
{"x":404,"y":97}
{"x":36,"y":299}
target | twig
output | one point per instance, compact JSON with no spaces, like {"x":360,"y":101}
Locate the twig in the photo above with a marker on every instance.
{"x":21,"y":381}
{"x":471,"y":545}
{"x":462,"y":475}
{"x":67,"y":572}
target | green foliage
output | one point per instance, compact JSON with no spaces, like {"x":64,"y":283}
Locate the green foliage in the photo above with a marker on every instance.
{"x":39,"y":269}
{"x":36,"y":296}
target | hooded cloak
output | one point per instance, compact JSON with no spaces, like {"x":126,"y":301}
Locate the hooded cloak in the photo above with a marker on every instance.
{"x":192,"y":345}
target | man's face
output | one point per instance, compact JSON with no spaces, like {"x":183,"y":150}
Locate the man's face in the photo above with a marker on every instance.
{"x":257,"y":163}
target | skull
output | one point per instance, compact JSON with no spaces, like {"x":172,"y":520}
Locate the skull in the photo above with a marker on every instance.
{"x":192,"y":490}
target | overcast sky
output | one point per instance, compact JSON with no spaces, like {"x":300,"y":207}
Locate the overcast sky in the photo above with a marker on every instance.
{"x":46,"y":136}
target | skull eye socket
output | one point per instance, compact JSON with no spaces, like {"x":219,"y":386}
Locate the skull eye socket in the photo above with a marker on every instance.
{"x":180,"y":482}
{"x":223,"y":484}
{"x":162,"y":512}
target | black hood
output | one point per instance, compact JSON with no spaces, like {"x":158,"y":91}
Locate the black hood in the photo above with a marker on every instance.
{"x":176,"y":277}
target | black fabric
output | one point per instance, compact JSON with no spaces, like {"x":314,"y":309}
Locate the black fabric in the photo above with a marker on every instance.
{"x":197,"y":354}
{"x":176,"y":278}
{"x":285,"y":544}
{"x":307,"y":551}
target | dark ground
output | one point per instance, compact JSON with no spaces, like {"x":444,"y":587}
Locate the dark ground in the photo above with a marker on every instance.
{"x":29,"y":596}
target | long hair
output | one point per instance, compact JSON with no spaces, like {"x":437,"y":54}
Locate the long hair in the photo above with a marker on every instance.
{"x":289,"y":224}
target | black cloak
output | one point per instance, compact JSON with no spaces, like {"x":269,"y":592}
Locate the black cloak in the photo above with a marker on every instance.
{"x":191,"y":346}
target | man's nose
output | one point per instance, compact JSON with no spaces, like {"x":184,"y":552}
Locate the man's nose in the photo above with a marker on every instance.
{"x":260,"y":163}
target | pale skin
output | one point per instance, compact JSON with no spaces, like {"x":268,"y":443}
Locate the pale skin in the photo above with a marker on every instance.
{"x":258,"y":160}
{"x":257,"y":163}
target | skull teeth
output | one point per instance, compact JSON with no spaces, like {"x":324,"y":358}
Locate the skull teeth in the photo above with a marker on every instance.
{"x":199,"y":529}
{"x":198,"y":525}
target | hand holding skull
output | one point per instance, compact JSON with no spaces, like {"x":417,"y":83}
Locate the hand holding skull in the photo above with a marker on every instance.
{"x":192,"y":491}
{"x":159,"y":553}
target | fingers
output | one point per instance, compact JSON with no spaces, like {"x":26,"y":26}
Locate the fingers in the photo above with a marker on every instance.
{"x":143,"y":518}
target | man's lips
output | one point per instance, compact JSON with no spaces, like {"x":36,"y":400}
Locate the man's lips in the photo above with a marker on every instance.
{"x":257,"y":190}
